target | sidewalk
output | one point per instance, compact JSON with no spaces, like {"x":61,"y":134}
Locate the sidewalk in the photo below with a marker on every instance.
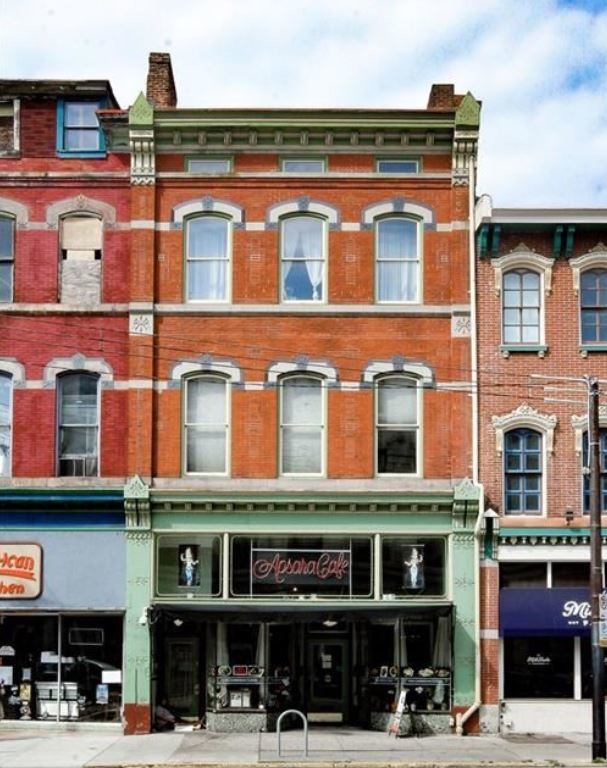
{"x":45,"y":746}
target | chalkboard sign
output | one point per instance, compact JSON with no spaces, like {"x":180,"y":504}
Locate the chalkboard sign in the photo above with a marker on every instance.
{"x":398,"y":715}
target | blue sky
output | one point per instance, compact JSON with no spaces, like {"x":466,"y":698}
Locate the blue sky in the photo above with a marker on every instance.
{"x":539,"y":67}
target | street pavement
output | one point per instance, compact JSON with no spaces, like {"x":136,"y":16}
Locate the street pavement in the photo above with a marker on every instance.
{"x":43,"y":745}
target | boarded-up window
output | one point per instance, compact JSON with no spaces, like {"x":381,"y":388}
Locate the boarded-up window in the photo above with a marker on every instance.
{"x":7,"y":126}
{"x":81,"y":243}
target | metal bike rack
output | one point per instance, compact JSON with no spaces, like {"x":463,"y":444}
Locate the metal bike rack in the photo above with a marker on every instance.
{"x":305,"y":726}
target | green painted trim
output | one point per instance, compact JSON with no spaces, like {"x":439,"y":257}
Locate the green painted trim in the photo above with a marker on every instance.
{"x":585,"y":348}
{"x":436,"y":497}
{"x":468,"y":113}
{"x":534,"y":348}
{"x":142,"y":112}
{"x":277,"y":522}
{"x":557,"y":531}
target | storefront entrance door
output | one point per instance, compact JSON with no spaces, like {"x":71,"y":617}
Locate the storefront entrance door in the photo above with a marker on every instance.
{"x":181,"y":675}
{"x":328,"y":675}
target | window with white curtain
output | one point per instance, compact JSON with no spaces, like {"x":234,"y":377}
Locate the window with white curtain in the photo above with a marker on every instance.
{"x":397,"y":426}
{"x":78,"y":425}
{"x":301,"y":425}
{"x":207,"y":258}
{"x":303,"y":258}
{"x":397,"y":260}
{"x":206,"y":425}
{"x":5,"y":424}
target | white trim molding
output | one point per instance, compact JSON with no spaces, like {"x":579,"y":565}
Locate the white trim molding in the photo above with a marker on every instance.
{"x":77,"y":362}
{"x":208,"y":204}
{"x":521,"y":417}
{"x":380,"y":368}
{"x":397,"y":206}
{"x":19,"y":211}
{"x":14,"y":369}
{"x":206,"y":364}
{"x":597,"y":257}
{"x":319,"y":367}
{"x":523,"y":257}
{"x":80,"y":204}
{"x":580,"y":425}
{"x":303,"y":205}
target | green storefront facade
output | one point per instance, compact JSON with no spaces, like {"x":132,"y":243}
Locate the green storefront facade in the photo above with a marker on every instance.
{"x":242,"y":606}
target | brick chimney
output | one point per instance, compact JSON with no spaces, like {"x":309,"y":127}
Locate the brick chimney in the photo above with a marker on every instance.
{"x":441,"y":96}
{"x":160,"y":89}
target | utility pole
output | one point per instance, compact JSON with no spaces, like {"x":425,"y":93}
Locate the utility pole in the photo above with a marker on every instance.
{"x":596,"y":570}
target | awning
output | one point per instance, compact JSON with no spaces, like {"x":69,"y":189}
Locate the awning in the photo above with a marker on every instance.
{"x":558,"y":611}
{"x":297,"y":611}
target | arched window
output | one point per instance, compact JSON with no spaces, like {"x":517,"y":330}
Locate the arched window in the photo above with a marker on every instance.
{"x":208,"y":244}
{"x":521,"y":299}
{"x":6,"y":382}
{"x":302,"y":425}
{"x":523,"y":472}
{"x":397,"y":260}
{"x":302,"y":257}
{"x":78,"y":425}
{"x":81,"y":244}
{"x":397,"y":426}
{"x":206,"y":428}
{"x":7,"y":257}
{"x":593,"y":295}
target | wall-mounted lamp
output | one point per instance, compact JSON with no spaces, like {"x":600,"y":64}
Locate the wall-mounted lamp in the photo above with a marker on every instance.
{"x":178,"y":622}
{"x":492,"y":521}
{"x":568,"y":516}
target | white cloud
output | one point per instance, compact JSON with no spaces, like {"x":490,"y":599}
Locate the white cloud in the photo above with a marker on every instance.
{"x":540,"y":68}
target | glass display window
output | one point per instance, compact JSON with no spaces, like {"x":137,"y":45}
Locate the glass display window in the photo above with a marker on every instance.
{"x":61,"y":667}
{"x":523,"y":575}
{"x":538,"y":667}
{"x":413,"y":567}
{"x":292,"y":566}
{"x":188,"y":564}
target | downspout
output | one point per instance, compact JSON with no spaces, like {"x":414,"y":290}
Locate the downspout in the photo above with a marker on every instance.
{"x":462,"y":717}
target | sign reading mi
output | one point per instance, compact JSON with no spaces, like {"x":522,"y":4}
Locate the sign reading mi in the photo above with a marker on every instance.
{"x":20,"y":571}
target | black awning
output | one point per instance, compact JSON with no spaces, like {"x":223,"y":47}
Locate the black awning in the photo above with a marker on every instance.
{"x":297,"y":612}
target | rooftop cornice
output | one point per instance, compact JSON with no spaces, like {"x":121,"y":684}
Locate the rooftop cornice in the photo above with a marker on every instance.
{"x":549,"y":216}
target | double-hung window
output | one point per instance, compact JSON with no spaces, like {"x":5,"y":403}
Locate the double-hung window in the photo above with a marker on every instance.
{"x":7,"y":258}
{"x":521,"y":307}
{"x":586,"y":475}
{"x":78,"y":128}
{"x":207,"y":258}
{"x":303,"y":258}
{"x":301,"y":425}
{"x":78,"y":425}
{"x":397,"y":275}
{"x":593,"y":284}
{"x":5,"y":424}
{"x":397,"y":426}
{"x":523,"y":472}
{"x":206,"y":436}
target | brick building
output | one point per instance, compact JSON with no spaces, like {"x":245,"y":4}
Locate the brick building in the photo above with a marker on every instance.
{"x":300,"y":303}
{"x":541,"y":304}
{"x":64,"y":291}
{"x":271,"y":311}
